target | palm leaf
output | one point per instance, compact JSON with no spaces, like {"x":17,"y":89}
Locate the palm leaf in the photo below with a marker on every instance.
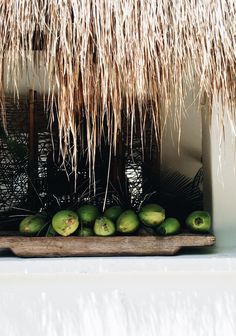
{"x":178,"y":194}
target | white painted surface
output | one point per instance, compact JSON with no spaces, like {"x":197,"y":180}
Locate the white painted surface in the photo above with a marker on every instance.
{"x":223,"y":178}
{"x":183,"y":151}
{"x":182,"y":295}
{"x":218,"y":151}
{"x":197,"y":260}
{"x":32,"y":76}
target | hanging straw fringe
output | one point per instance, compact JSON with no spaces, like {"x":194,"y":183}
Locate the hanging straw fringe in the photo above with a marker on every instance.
{"x":105,"y":56}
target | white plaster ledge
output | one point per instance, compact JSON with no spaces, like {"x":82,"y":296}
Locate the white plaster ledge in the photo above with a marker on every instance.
{"x":211,"y":260}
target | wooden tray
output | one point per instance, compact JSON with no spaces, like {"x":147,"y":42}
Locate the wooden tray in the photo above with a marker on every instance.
{"x":102,"y":246}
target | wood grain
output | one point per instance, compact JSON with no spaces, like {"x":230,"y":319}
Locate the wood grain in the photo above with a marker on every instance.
{"x":32,"y":197}
{"x":100,"y":246}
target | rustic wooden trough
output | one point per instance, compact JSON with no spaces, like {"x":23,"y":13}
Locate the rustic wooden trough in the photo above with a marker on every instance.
{"x":99,"y":246}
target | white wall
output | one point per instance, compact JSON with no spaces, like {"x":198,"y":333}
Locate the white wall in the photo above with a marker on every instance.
{"x":31,"y":78}
{"x":223,"y":177}
{"x":188,"y":159}
{"x":218,"y":151}
{"x":180,"y":296}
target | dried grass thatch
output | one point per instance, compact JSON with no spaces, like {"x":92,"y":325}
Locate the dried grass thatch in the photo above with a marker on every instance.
{"x":103,"y":57}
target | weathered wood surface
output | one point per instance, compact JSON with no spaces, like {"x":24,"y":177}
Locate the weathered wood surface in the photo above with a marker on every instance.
{"x":33,"y":152}
{"x":99,"y":246}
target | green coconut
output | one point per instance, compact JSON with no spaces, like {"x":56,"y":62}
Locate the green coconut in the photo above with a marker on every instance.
{"x":65,"y":222}
{"x":104,"y":227}
{"x":199,"y":222}
{"x":32,"y":225}
{"x":170,"y":226}
{"x":88,"y":214}
{"x":152,"y":215}
{"x":85,"y":232}
{"x":127,"y":222}
{"x":113,"y":213}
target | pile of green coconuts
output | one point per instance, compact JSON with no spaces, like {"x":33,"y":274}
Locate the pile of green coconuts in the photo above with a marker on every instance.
{"x":88,"y":221}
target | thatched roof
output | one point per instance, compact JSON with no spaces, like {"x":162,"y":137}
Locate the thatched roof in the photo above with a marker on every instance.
{"x":102,"y":56}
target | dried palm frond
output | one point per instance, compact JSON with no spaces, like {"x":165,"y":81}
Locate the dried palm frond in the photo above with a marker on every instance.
{"x":105,"y":56}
